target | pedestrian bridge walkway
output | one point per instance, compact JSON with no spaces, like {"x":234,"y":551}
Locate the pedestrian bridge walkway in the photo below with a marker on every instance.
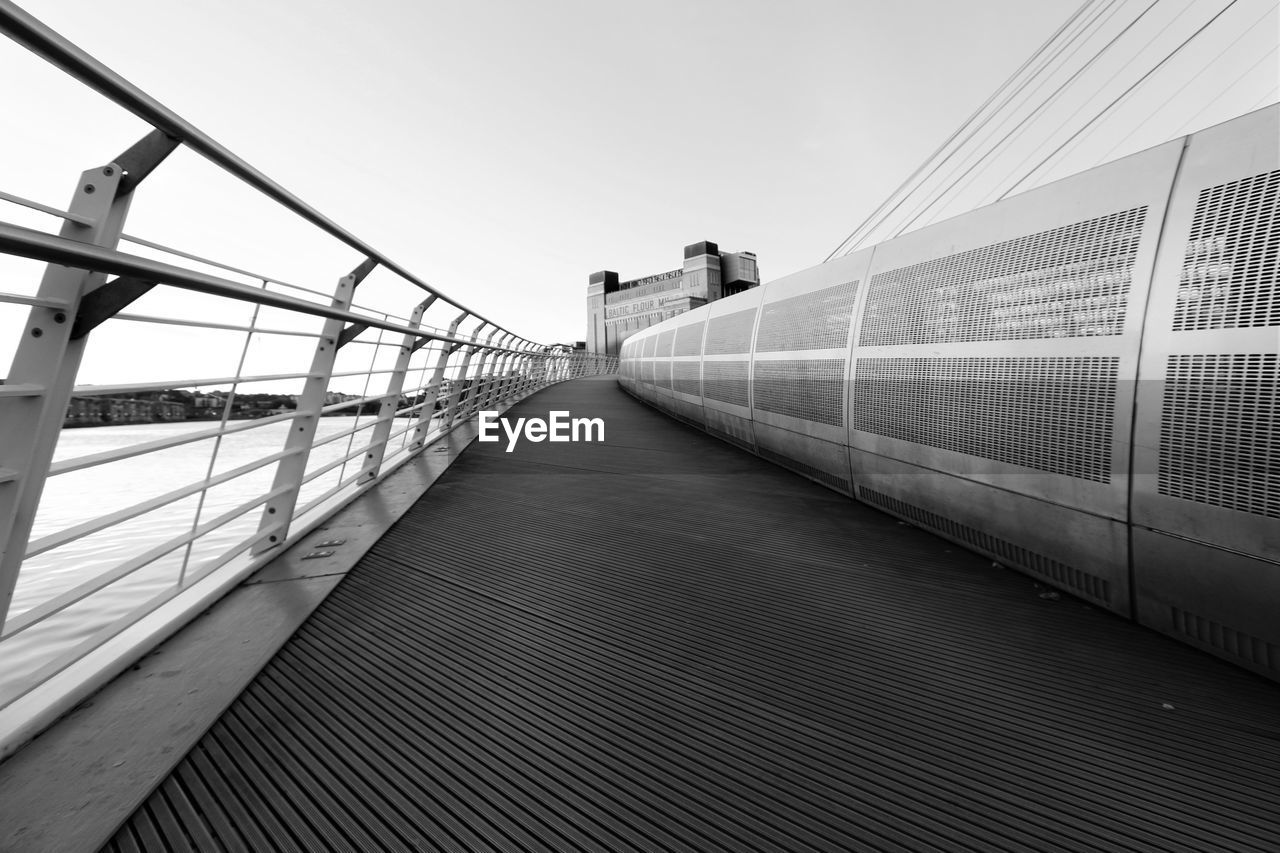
{"x":662,"y":643}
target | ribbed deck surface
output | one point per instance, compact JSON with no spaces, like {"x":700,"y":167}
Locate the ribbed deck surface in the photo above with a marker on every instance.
{"x":664,"y":643}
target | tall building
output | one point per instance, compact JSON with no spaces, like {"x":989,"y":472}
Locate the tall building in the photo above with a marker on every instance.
{"x":617,"y":310}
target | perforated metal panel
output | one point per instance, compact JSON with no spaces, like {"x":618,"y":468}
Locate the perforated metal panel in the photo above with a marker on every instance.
{"x":662,"y":374}
{"x":665,"y":340}
{"x":725,"y":381}
{"x":689,"y":339}
{"x":687,"y":377}
{"x":649,"y":344}
{"x":1052,"y":414}
{"x":1206,"y":394}
{"x":1232,"y":257}
{"x":1013,"y":336}
{"x":731,"y":334}
{"x":1220,"y":431}
{"x":815,"y":320}
{"x":1065,"y":282}
{"x":811,"y":390}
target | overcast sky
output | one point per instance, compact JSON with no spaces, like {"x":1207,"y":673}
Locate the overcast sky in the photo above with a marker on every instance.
{"x":505,"y":150}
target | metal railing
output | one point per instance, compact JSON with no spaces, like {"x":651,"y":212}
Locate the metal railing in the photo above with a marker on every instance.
{"x":423,"y":376}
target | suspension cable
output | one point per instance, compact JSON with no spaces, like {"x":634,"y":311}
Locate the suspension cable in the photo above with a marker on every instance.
{"x":1031,"y":59}
{"x":1121,"y":97}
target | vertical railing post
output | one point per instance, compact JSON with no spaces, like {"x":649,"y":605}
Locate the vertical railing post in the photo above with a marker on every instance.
{"x":479,"y":383}
{"x":37,"y":388}
{"x":524,"y":369}
{"x":544,"y":368}
{"x":278,"y":513}
{"x":460,"y":386}
{"x":520,"y":378}
{"x":459,"y":377}
{"x":537,"y":370}
{"x":502,"y":392}
{"x":496,"y":362}
{"x":431,"y":393}
{"x":533,"y":369}
{"x":391,"y":401}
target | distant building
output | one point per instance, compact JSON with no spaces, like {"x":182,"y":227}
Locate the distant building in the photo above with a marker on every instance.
{"x":617,"y":310}
{"x":100,"y":411}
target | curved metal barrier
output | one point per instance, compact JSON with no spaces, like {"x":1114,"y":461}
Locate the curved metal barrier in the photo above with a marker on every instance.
{"x":1081,"y":382}
{"x":424,"y":366}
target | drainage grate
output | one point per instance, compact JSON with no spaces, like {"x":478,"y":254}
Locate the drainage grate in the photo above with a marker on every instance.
{"x":731,"y":438}
{"x":1235,"y":643}
{"x":824,"y":477}
{"x":1082,"y":583}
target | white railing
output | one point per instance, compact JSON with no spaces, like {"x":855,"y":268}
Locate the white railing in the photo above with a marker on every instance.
{"x":422,"y":366}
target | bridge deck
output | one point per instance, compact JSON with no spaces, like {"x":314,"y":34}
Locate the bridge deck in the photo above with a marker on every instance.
{"x":664,"y":643}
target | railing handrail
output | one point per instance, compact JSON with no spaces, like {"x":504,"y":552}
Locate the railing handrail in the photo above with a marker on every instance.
{"x":265,"y":279}
{"x":25,"y":29}
{"x":51,"y":248}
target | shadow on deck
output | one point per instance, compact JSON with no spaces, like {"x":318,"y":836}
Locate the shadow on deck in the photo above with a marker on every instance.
{"x":661,"y":642}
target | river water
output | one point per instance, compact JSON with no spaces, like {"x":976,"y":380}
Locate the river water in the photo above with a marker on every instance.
{"x":79,"y":496}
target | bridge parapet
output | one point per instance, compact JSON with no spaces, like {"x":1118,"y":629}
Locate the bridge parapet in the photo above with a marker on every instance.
{"x":1079,"y":382}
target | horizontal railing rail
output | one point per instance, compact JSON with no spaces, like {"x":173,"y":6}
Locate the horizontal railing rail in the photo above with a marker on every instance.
{"x":71,"y":534}
{"x":106,"y":545}
{"x":37,"y":245}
